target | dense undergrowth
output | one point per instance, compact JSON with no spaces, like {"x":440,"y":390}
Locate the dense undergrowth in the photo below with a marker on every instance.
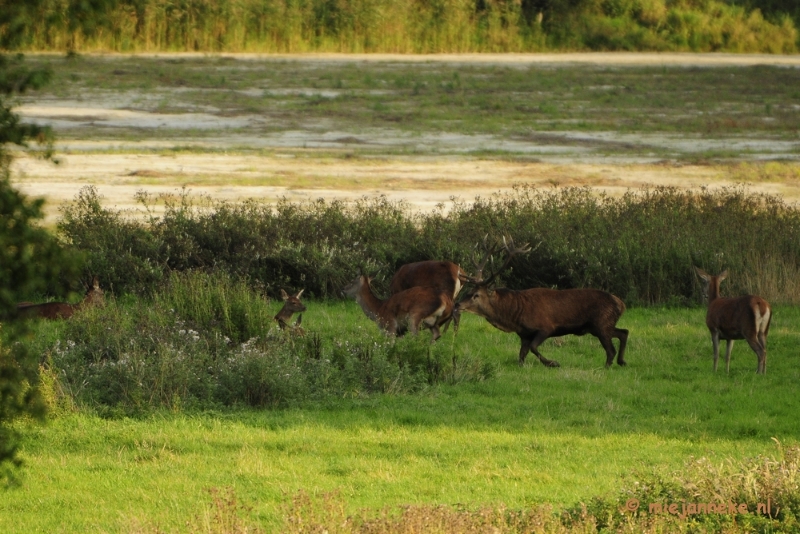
{"x":640,"y":246}
{"x":206,"y":341}
{"x":397,"y":26}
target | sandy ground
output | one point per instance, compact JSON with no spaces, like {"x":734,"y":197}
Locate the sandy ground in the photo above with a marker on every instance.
{"x":119,"y":169}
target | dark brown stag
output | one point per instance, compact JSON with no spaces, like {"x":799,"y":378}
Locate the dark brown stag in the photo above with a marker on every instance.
{"x":291,"y":305}
{"x":540,"y":313}
{"x":746,"y":317}
{"x":62,"y":310}
{"x":407,"y":310}
{"x":444,"y":276}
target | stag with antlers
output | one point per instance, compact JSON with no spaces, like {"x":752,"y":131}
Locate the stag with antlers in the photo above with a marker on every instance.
{"x":540,"y":313}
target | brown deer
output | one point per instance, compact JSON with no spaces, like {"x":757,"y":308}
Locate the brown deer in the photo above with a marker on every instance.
{"x":444,"y":276}
{"x":540,"y":313}
{"x":406,"y":310}
{"x":746,"y":317}
{"x":62,"y":310}
{"x":291,"y":305}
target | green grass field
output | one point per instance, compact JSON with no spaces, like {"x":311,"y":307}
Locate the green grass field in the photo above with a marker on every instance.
{"x":525,"y":436}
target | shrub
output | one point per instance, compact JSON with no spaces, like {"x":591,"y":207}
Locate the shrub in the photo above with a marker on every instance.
{"x":205,"y":341}
{"x":640,"y":246}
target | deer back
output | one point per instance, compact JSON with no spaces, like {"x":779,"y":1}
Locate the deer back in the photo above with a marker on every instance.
{"x":440,"y":275}
{"x":62,"y":310}
{"x":739,"y":317}
{"x":536,"y":309}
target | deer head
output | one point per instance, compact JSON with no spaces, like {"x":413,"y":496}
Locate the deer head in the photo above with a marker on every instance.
{"x":477,"y":299}
{"x":291,"y":305}
{"x":94,"y":295}
{"x":710,"y":283}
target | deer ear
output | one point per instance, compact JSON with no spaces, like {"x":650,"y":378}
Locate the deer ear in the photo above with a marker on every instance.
{"x":723,"y":275}
{"x":701,"y":273}
{"x":299,"y":293}
{"x":95,"y":283}
{"x":284,"y":296}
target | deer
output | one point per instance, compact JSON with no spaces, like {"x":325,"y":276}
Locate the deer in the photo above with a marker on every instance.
{"x":291,"y":305}
{"x":407,"y":310}
{"x":540,"y":313}
{"x":62,"y":310}
{"x":729,"y":318}
{"x":444,"y":276}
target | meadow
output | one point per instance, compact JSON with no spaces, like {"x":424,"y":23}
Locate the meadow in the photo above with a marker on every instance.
{"x":180,"y":407}
{"x":513,"y":437}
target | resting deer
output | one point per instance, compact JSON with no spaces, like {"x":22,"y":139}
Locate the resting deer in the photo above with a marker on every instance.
{"x":406,"y":310}
{"x":291,"y":305}
{"x":540,"y":313}
{"x":746,"y":317}
{"x":444,"y":276}
{"x":62,"y":310}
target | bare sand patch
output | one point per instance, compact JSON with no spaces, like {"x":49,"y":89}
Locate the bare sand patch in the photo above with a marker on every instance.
{"x":422,"y":183}
{"x":238,"y":155}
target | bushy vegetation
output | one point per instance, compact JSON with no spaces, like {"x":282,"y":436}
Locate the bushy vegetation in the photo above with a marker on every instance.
{"x":206,"y":341}
{"x":31,"y":258}
{"x":398,"y":26}
{"x":640,"y":246}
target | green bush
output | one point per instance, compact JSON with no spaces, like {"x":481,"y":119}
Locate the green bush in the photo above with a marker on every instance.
{"x":206,"y":341}
{"x":640,"y":246}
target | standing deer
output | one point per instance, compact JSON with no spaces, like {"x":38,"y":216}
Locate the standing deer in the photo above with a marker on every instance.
{"x":540,"y":313}
{"x":407,"y":310}
{"x":291,"y":305}
{"x":444,"y":276}
{"x":62,"y":310}
{"x":746,"y":317}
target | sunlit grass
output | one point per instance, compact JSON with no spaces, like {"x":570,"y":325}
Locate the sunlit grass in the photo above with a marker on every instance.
{"x":528,"y":435}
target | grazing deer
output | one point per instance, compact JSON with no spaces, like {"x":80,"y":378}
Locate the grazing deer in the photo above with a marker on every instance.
{"x":444,"y":276}
{"x":62,"y":310}
{"x":746,"y":317}
{"x":406,"y":310}
{"x":540,"y":313}
{"x":291,"y":305}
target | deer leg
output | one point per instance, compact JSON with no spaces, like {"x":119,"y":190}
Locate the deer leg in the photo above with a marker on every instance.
{"x":610,"y":350}
{"x":523,"y":350}
{"x":622,"y":335}
{"x":534,"y":346}
{"x":715,"y":344}
{"x":728,"y":349}
{"x":761,"y":353}
{"x":435,"y":334}
{"x":456,"y":320}
{"x":413,"y":325}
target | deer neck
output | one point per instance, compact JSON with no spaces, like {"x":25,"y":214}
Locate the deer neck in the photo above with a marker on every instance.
{"x":283,"y":316}
{"x":370,"y":304}
{"x":713,"y":290}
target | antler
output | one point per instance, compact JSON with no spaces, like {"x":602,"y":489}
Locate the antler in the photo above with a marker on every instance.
{"x":511,"y":251}
{"x":479,"y":265}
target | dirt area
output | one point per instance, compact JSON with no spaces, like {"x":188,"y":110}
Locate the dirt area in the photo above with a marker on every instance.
{"x":317,"y":165}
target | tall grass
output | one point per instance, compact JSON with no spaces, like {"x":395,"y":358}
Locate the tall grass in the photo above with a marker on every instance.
{"x":206,"y":341}
{"x":404,"y":27}
{"x":640,"y":246}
